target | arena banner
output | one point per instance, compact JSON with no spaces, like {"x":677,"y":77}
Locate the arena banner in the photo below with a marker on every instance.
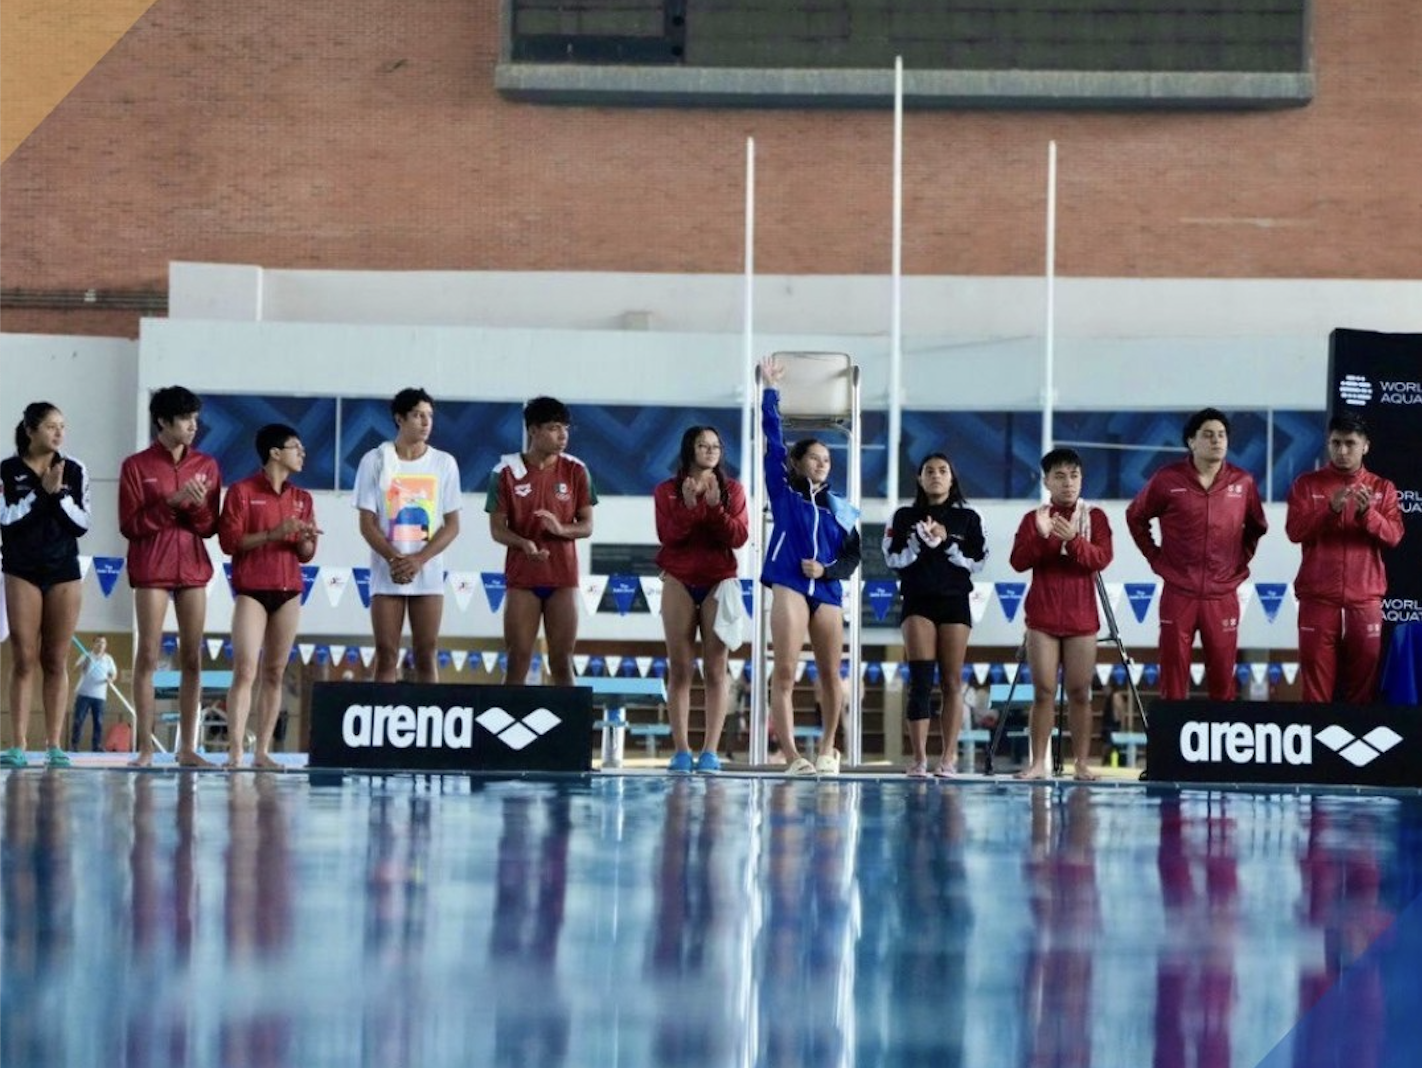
{"x":1284,"y":742}
{"x":428,"y":727}
{"x":1379,"y":376}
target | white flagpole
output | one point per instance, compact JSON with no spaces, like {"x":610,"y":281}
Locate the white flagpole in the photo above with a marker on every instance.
{"x":896,"y":355}
{"x":748,"y":384}
{"x":1049,"y":393}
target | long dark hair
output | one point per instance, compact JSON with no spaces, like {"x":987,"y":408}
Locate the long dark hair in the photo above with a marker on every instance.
{"x":33,"y":417}
{"x":955,"y":491}
{"x":686,"y":457}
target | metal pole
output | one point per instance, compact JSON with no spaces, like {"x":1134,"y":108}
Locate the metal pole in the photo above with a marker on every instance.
{"x":896,"y":341}
{"x":1049,"y":371}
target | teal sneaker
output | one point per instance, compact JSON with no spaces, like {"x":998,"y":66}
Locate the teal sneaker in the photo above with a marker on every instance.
{"x":680,"y":762}
{"x":54,"y":757}
{"x":14,"y":758}
{"x":708,"y":762}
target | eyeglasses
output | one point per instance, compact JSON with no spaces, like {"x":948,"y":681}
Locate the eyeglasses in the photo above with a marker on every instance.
{"x":298,"y":447}
{"x":705,"y":447}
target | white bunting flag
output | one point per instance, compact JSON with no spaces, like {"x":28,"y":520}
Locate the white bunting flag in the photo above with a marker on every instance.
{"x":459,"y":657}
{"x":614,"y":666}
{"x":1259,"y":672}
{"x":696,"y":667}
{"x":1197,"y":673}
{"x":981,"y":670}
{"x":490,"y":660}
{"x":800,"y":666}
{"x":652,"y":591}
{"x":1246,"y":598}
{"x":307,"y":650}
{"x":891,"y":675}
{"x":334,"y":581}
{"x":592,"y":589}
{"x":464,"y":584}
{"x":644,"y":665}
{"x":1103,"y":673}
{"x":580,"y":663}
{"x":1114,"y":590}
{"x":978,"y":600}
{"x":338,"y":654}
{"x":214,"y":648}
{"x":1136,"y":670}
{"x":1291,"y":672}
{"x":85,"y":562}
{"x":1010,"y":670}
{"x":367,"y":655}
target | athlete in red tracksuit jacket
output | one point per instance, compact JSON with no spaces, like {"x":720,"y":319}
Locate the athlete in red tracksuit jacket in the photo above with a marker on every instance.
{"x":1344,"y":516}
{"x":1211,"y":520}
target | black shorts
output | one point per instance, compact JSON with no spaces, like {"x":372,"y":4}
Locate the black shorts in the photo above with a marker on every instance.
{"x":270,"y":600}
{"x":46,"y":577}
{"x":939,"y":610}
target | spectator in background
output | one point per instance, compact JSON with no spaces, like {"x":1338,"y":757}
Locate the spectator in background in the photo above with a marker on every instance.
{"x":96,"y":670}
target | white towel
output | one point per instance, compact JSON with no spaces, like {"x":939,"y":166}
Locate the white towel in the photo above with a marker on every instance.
{"x":731,"y":618}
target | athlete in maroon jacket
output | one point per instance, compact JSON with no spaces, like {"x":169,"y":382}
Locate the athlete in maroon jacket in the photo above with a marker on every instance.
{"x":168,"y":496}
{"x":1211,"y":521}
{"x":1064,"y":543}
{"x":268,"y":527}
{"x":1344,"y":516}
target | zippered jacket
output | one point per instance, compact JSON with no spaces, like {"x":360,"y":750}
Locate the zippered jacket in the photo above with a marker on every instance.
{"x":1342,"y":552}
{"x":165,"y":544}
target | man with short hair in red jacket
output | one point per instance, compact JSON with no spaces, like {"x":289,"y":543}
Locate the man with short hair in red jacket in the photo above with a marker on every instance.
{"x":168,"y":496}
{"x":1344,"y":516}
{"x":1211,"y":520}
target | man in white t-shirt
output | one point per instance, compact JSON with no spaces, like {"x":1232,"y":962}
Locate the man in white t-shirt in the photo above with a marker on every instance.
{"x":407,"y":493}
{"x":97,"y":670}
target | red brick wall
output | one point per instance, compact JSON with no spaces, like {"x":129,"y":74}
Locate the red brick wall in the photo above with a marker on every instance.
{"x":367,"y":134}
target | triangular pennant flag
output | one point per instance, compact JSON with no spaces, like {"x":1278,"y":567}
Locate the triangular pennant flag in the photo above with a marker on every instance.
{"x":361,"y":575}
{"x":881,"y":594}
{"x":338,"y":654}
{"x":1276,"y":673}
{"x":614,"y":666}
{"x":800,"y":668}
{"x":652,"y":591}
{"x":1113,"y":594}
{"x":494,"y":589}
{"x":1103,"y":673}
{"x":214,"y":648}
{"x":580,"y":663}
{"x":323,"y":654}
{"x":335,"y":581}
{"x":463,"y":583}
{"x":443,"y":658}
{"x":644,"y":665}
{"x":891,"y":672}
{"x":1290,"y":670}
{"x":1009,"y":595}
{"x":736,"y":666}
{"x":367,"y":652}
{"x":85,"y":562}
{"x":306,"y":649}
{"x":1241,"y":674}
{"x":227,"y":570}
{"x":981,"y":669}
{"x":1140,"y":595}
{"x":227,"y":649}
{"x":597,"y":666}
{"x":748,"y":594}
{"x":308,"y":579}
{"x":1259,"y":673}
{"x":812,"y":671}
{"x":978,"y":600}
{"x":490,"y":660}
{"x":592,"y":588}
{"x":659,"y":667}
{"x":873,"y":672}
{"x":1271,"y":597}
{"x":996,"y":675}
{"x":1150,"y":674}
{"x":624,"y":591}
{"x":169,"y":644}
{"x":107,"y":568}
{"x":1246,"y":597}
{"x":1197,"y":673}
{"x":459,"y":657}
{"x":1009,"y":671}
{"x":291,"y":655}
{"x":1135,"y":672}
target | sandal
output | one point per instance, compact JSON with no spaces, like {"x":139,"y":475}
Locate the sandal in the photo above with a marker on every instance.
{"x":800,"y":767}
{"x":54,"y":757}
{"x":14,"y":758}
{"x":917,"y":770}
{"x":945,"y":771}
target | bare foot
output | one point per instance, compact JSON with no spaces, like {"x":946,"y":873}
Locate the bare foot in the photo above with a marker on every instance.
{"x":190,"y":758}
{"x":266,"y":763}
{"x":234,"y":760}
{"x":142,"y":760}
{"x":1036,"y":771}
{"x":1084,"y":773}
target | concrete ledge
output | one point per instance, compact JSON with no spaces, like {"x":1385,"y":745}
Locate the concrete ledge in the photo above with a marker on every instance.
{"x":552,"y":83}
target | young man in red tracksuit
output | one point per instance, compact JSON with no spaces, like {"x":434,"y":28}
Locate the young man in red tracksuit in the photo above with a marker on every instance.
{"x":168,"y":496}
{"x":1344,"y":516}
{"x":1211,"y":520}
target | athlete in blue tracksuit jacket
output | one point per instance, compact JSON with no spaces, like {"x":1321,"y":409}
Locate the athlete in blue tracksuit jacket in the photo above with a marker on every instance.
{"x":813,"y":546}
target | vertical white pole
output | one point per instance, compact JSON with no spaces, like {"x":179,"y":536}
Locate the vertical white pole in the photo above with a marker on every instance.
{"x":896,"y":355}
{"x":750,"y":475}
{"x":1049,"y":393}
{"x":748,"y":385}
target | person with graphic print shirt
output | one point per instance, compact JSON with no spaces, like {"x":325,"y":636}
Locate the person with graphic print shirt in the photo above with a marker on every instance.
{"x":1343,"y":516}
{"x":1211,"y":521}
{"x":935,"y":545}
{"x":814,"y":545}
{"x":168,"y":497}
{"x":268,"y":527}
{"x":1064,"y":543}
{"x":44,"y":510}
{"x":540,"y":502}
{"x":407,"y":492}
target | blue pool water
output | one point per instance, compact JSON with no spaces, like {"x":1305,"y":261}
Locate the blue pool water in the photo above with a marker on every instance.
{"x":644,"y":920}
